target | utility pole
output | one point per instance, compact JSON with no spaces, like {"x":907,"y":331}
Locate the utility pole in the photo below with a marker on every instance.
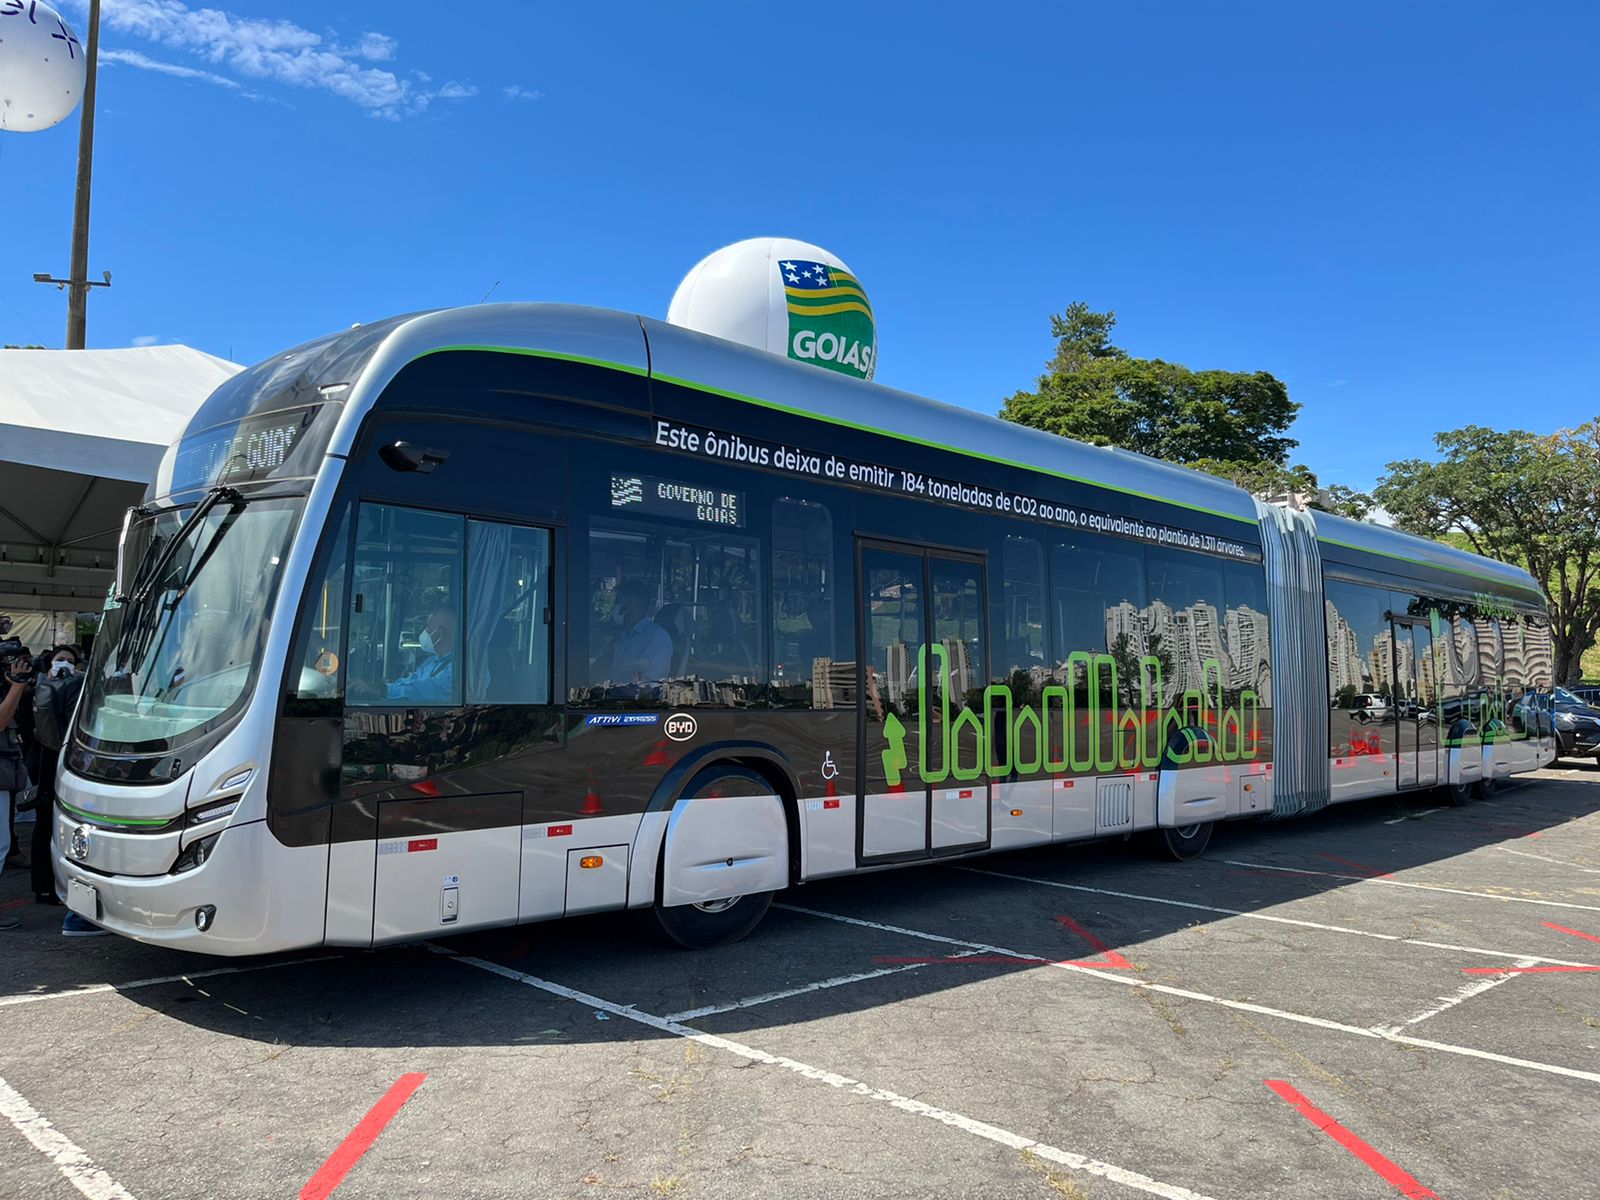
{"x":78,"y":278}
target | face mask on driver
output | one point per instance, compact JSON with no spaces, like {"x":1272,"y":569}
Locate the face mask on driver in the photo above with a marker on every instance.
{"x":426,"y":642}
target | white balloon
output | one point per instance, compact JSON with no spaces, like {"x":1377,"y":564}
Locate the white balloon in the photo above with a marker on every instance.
{"x":41,"y":67}
{"x":786,"y":297}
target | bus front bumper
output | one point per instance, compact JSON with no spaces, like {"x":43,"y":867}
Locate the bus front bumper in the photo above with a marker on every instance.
{"x":264,"y":897}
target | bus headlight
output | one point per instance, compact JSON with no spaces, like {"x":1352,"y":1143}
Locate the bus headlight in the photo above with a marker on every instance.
{"x":195,"y":854}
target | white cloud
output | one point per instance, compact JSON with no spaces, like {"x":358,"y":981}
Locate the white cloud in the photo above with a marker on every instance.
{"x":517,"y":92}
{"x":132,"y":58}
{"x":273,"y":50}
{"x":146,"y":339}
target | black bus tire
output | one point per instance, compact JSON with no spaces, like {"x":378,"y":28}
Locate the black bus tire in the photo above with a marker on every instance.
{"x":1181,"y":845}
{"x":1457,"y":795}
{"x":717,"y":923}
{"x":1485,"y":787}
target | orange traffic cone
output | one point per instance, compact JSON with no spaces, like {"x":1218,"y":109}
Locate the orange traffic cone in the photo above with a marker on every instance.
{"x":660,"y":756}
{"x":591,"y":799}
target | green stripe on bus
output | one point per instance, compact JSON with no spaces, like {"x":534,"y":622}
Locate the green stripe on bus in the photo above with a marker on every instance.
{"x":1421,"y":562}
{"x":555,"y":354}
{"x":105,"y":820}
{"x":848,"y":424}
{"x":933,"y":445}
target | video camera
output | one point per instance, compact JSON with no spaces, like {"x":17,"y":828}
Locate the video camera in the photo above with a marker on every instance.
{"x":16,"y":662}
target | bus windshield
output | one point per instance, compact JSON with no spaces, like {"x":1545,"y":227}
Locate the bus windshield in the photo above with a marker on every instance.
{"x":181,"y":651}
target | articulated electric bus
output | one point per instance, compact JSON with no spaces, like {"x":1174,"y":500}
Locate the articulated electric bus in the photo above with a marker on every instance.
{"x":506,"y":613}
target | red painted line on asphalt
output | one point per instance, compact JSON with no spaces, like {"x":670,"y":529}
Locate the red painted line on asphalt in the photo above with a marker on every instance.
{"x":1573,"y":932}
{"x":331,"y":1174}
{"x":1010,"y":960}
{"x":9,"y":904}
{"x":1355,"y":866}
{"x":1520,"y":970}
{"x":1109,"y":957}
{"x":1377,"y":1163}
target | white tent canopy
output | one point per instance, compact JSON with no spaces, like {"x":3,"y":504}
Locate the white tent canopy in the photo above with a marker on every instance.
{"x":81,"y":433}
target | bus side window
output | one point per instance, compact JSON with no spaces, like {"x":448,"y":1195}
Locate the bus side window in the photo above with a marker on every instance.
{"x":508,"y":596}
{"x":405,"y":609}
{"x":804,"y":674}
{"x":317,"y":669}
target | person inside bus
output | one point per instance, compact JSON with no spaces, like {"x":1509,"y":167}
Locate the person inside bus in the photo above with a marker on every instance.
{"x":433,"y":680}
{"x":642,"y":651}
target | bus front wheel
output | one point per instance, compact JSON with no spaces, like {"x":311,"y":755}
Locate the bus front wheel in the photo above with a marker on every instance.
{"x":1181,"y":845}
{"x":713,"y":923}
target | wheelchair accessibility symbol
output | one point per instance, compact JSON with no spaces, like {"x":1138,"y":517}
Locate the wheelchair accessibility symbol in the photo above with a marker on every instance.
{"x":829,"y":770}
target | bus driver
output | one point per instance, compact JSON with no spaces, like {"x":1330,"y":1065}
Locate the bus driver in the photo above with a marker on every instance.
{"x":431,"y":682}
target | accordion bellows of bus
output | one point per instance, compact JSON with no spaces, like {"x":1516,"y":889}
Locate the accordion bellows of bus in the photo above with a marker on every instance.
{"x":499,"y":614}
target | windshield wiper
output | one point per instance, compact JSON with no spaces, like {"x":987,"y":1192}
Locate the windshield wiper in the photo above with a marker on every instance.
{"x":212,"y":498}
{"x":134,"y":638}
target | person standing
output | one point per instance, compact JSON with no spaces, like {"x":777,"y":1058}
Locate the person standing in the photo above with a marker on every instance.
{"x":16,"y":674}
{"x":54,"y":697}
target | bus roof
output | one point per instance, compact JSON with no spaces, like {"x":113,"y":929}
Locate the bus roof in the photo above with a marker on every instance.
{"x":644,"y":345}
{"x":1408,"y":548}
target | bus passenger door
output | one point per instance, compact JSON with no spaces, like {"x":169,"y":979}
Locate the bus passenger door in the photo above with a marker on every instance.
{"x":923,"y":785}
{"x":1405,"y":701}
{"x":1416,"y":695}
{"x":959,"y":805}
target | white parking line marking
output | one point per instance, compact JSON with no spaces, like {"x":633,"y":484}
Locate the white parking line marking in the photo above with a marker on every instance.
{"x":1254,"y":916}
{"x":982,"y":1129}
{"x":1421,"y":887}
{"x":1221,"y":1001}
{"x":821,"y":985}
{"x":1459,"y":996}
{"x":95,"y":989}
{"x":1557,"y":861}
{"x":1416,"y":816}
{"x":72,"y":1162}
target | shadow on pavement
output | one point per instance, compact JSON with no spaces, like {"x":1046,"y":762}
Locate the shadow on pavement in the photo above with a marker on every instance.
{"x":415,"y":995}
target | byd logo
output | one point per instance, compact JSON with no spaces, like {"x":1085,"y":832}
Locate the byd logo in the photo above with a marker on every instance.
{"x":681,"y":727}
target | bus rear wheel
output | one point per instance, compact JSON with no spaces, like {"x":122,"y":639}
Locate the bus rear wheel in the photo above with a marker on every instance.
{"x":1457,"y":794}
{"x":1485,"y":787}
{"x":1183,"y":844}
{"x":713,"y":923}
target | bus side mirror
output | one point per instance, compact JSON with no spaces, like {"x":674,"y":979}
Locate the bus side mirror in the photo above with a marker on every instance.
{"x":403,"y":456}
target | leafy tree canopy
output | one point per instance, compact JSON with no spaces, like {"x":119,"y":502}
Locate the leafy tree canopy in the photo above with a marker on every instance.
{"x":1522,"y":497}
{"x":1228,"y":423}
{"x":1096,"y":393}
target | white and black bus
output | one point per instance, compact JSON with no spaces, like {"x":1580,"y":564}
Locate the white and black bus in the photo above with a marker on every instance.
{"x":505,"y":613}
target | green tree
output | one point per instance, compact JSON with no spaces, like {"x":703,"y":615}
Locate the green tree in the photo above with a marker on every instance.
{"x":1227,"y":423}
{"x":1521,"y":497}
{"x":1095,"y":392}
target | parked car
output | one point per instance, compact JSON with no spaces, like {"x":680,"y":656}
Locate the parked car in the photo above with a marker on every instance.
{"x":1577,"y":725}
{"x":1589,"y":693}
{"x":1370,"y":707}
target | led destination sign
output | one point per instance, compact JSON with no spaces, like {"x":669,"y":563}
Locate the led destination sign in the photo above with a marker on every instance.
{"x":255,"y":448}
{"x":674,"y":498}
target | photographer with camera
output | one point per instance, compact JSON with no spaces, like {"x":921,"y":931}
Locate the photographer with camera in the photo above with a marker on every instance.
{"x":58,"y":679}
{"x":16,"y":680}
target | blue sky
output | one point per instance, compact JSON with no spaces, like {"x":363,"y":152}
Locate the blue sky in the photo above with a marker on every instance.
{"x":1391,"y":207}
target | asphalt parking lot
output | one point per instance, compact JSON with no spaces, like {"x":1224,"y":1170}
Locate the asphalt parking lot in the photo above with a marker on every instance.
{"x":1386,"y":999}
